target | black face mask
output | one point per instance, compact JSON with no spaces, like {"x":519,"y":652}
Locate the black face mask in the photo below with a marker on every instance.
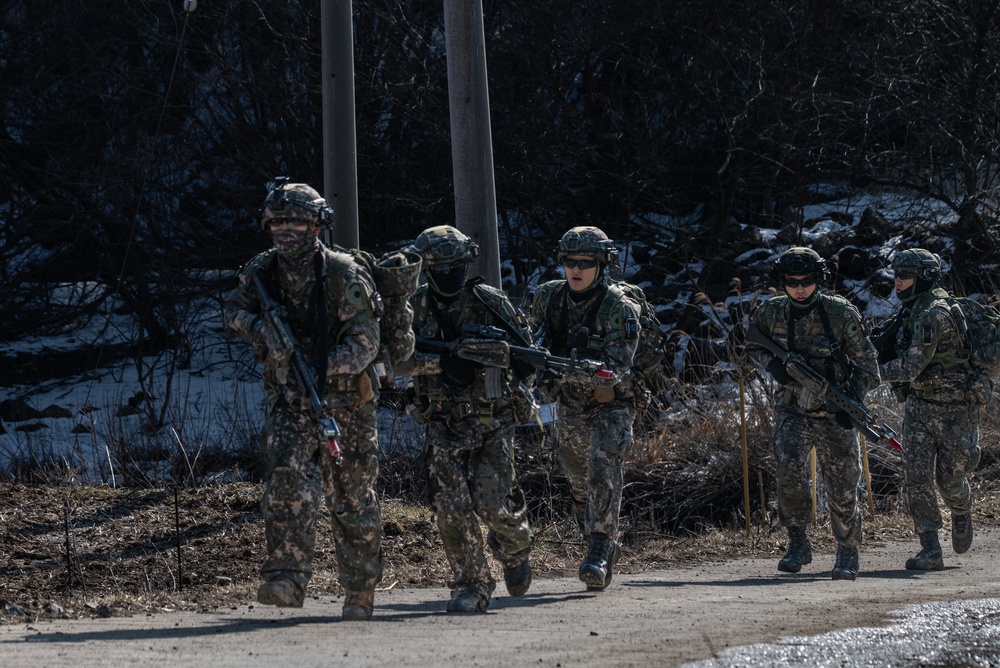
{"x":919,"y":287}
{"x":449,"y":282}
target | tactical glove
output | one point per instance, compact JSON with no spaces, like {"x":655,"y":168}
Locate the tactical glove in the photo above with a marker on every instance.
{"x":777,"y":370}
{"x":843,"y":419}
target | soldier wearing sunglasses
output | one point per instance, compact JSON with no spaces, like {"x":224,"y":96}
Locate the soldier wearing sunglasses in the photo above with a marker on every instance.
{"x":825,"y":333}
{"x":587,"y":315}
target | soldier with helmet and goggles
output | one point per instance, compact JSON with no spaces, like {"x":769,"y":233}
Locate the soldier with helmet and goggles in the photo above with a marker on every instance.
{"x":467,"y":401}
{"x":331,"y":307}
{"x":927,"y":362}
{"x":825,"y":333}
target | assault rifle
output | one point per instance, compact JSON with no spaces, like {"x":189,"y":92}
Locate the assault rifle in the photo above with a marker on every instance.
{"x":486,"y":345}
{"x":281,"y":343}
{"x":836,"y":398}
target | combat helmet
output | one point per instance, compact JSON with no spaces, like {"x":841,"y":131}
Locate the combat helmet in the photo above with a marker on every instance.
{"x":444,"y":244}
{"x":295,"y":201}
{"x":921,"y":262}
{"x":800,"y":261}
{"x":587,"y":240}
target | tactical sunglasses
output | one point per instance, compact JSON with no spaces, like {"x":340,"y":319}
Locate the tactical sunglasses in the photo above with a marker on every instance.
{"x":904,"y":275}
{"x":570,"y":263}
{"x":799,"y":282}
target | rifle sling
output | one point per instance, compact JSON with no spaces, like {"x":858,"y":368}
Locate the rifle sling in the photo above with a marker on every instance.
{"x":838,"y":351}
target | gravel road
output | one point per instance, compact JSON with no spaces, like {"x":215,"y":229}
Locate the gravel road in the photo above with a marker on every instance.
{"x":662,"y":618}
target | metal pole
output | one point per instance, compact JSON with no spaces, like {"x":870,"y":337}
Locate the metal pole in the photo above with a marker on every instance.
{"x":340,"y":153}
{"x":746,"y":465}
{"x":471,"y":142}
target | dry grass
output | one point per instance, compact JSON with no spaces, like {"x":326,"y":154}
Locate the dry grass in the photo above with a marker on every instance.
{"x":93,"y":550}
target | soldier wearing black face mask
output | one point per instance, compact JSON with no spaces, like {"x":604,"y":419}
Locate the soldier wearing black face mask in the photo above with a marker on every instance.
{"x":929,"y":368}
{"x":468,"y":410}
{"x":332,"y":307}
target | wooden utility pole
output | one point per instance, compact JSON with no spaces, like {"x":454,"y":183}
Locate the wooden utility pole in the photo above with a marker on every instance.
{"x":340,"y":152}
{"x":471,"y":142}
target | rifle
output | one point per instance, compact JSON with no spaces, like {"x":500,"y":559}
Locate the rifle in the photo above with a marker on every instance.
{"x":486,"y":345}
{"x":884,"y":338}
{"x":281,"y":342}
{"x":836,"y":398}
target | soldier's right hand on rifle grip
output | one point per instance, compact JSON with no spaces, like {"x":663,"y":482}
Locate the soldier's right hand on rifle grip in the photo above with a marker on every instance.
{"x":777,"y":370}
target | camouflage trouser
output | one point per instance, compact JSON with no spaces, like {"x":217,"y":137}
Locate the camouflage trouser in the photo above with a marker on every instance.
{"x":473,"y":478}
{"x":838,"y":454}
{"x":591,"y":447}
{"x":940,"y":442}
{"x":301,"y":473}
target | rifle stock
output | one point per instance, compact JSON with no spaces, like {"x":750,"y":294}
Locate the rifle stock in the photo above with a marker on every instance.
{"x":279,"y":336}
{"x":836,"y":399}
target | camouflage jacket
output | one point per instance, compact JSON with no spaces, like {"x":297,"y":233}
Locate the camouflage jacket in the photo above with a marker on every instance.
{"x":352,"y":323}
{"x":855,"y":371}
{"x":564,"y":325}
{"x":931,"y":353}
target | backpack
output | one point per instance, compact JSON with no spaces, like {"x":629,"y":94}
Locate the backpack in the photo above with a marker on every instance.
{"x":979,"y":325}
{"x":396,"y":275}
{"x":647,"y":364}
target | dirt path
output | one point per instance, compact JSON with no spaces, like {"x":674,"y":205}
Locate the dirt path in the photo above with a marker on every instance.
{"x":661,"y":618}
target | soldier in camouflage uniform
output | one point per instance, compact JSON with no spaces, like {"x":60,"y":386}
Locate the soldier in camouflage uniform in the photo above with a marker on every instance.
{"x":943,"y":394}
{"x":465,"y":397}
{"x":587,"y":315}
{"x":332,"y":309}
{"x":826,"y":333}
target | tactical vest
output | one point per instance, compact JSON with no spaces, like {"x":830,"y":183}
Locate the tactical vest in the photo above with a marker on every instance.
{"x":306,"y":311}
{"x":602,"y":323}
{"x":479,"y":304}
{"x":821,"y":348}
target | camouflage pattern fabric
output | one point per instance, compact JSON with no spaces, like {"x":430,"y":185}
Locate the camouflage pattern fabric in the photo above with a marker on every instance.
{"x":301,"y":470}
{"x":803,"y":420}
{"x":473,"y":478}
{"x":940,"y":445}
{"x":808,"y":337}
{"x":941,"y":417}
{"x":595,"y":414}
{"x":838,"y":454}
{"x":931,"y":355}
{"x":592,"y":447}
{"x":469,"y":446}
{"x":301,"y":474}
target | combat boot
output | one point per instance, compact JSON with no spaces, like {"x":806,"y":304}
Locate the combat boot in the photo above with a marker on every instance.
{"x":598,"y":567}
{"x":929,"y":558}
{"x":467,"y":601}
{"x":358,"y":605}
{"x":846,"y":566}
{"x":281,"y":592}
{"x":517,"y":578}
{"x":799,"y":552}
{"x":961,"y":532}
